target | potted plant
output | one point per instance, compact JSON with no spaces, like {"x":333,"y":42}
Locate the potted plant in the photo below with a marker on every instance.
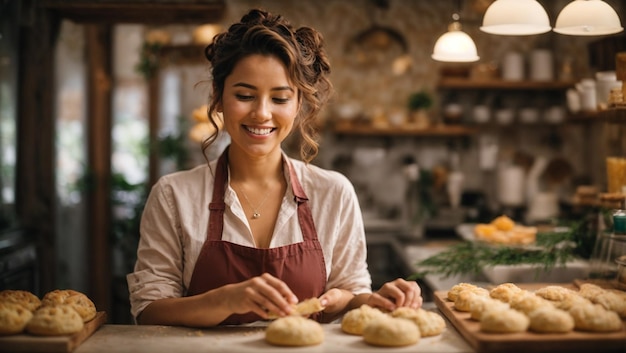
{"x":418,"y":105}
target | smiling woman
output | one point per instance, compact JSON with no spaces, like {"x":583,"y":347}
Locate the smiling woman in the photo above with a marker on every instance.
{"x":251,"y":233}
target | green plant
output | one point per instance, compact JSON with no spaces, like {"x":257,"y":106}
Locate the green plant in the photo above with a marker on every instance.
{"x":419,"y":100}
{"x":148,"y":59}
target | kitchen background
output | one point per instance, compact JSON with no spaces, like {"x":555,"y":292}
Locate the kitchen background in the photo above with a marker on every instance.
{"x":521,"y":147}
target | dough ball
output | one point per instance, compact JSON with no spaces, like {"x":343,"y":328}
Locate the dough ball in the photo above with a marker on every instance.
{"x":429,"y":323}
{"x":595,"y":318}
{"x":608,"y":299}
{"x":550,"y":320}
{"x":354,"y":321}
{"x":466,"y":296}
{"x":526,"y":302}
{"x":391,"y":332}
{"x":294,"y":331}
{"x":555,"y":293}
{"x":481,"y":305}
{"x":505,"y":292}
{"x":504,"y":321}
{"x":457,"y":288}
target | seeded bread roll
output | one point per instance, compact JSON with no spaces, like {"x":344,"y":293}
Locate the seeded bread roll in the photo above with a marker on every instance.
{"x":391,"y":332}
{"x":21,"y":297}
{"x":13,"y":318}
{"x":294,"y":331}
{"x":79,"y":301}
{"x":56,"y":320}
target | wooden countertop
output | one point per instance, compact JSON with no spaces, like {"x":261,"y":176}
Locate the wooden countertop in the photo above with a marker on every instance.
{"x":242,"y":339}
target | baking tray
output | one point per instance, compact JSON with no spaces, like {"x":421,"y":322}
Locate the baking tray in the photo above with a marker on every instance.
{"x":575,"y":341}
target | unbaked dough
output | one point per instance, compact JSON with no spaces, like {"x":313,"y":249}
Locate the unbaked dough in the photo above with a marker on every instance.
{"x":595,"y":318}
{"x":504,"y":321}
{"x":505,"y":292}
{"x":355,"y":320}
{"x":428,"y":322}
{"x":388,"y":331}
{"x":549,"y":319}
{"x":481,"y":305}
{"x":304,"y":308}
{"x":294,"y":331}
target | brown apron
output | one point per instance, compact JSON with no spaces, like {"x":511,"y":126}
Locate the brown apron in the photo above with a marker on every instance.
{"x":300,"y":266}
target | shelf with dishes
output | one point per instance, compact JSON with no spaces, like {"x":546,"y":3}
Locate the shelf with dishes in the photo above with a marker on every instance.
{"x":496,"y":84}
{"x":439,"y":130}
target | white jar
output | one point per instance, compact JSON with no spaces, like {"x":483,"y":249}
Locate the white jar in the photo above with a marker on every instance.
{"x":541,"y":65}
{"x":587,"y":91}
{"x":513,"y":67}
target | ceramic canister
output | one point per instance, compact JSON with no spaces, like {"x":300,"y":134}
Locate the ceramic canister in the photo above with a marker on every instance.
{"x":541,"y":65}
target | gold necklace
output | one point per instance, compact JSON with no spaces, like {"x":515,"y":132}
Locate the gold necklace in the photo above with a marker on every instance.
{"x":255,"y":210}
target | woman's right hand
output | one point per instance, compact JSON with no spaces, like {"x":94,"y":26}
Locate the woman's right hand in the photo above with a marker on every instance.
{"x":262,"y":295}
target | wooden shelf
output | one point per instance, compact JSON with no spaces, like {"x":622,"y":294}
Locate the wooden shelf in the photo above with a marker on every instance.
{"x":613,"y":115}
{"x":462,"y":83}
{"x":434,"y":131}
{"x":138,"y":11}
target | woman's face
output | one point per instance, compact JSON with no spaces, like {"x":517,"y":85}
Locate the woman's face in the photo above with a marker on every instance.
{"x":259,"y":104}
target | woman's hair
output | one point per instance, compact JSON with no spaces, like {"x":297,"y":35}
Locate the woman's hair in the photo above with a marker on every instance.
{"x":301,"y":51}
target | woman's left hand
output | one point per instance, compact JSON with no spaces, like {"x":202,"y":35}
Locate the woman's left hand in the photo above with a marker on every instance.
{"x":397,"y":293}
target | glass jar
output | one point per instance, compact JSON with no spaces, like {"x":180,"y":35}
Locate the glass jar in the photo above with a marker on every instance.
{"x":609,"y":246}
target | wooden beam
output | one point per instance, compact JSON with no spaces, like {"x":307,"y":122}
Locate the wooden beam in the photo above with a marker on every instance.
{"x":98,"y":49}
{"x":35,"y":178}
{"x":153,"y":12}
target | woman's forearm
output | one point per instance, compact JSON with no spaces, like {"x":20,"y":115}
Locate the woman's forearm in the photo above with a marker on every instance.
{"x":202,"y":310}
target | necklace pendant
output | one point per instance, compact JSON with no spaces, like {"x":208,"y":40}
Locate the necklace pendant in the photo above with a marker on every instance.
{"x":256,"y":215}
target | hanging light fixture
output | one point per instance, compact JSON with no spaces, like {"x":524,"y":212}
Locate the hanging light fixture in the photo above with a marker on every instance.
{"x":455,"y":45}
{"x":515,"y":18}
{"x":588,"y":18}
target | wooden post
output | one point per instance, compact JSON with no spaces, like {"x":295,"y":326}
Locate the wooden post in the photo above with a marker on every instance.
{"x":98,"y":47}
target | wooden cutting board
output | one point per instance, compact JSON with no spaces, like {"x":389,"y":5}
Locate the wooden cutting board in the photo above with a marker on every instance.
{"x":575,"y":341}
{"x":56,"y":344}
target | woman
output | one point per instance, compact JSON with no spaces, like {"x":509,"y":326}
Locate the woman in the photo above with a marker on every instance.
{"x":254,"y":232}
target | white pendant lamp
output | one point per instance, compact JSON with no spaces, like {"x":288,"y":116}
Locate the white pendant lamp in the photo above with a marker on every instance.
{"x":515,"y":18}
{"x":455,"y":45}
{"x":588,"y":18}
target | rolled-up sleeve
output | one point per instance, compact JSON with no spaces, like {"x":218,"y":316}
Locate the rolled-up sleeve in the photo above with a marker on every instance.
{"x":159,"y":269}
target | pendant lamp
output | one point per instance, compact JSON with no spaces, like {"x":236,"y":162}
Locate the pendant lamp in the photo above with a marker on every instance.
{"x":515,"y":18}
{"x":455,"y":45}
{"x":588,"y":18}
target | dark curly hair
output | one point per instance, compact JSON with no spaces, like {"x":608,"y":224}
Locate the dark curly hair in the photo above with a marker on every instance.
{"x":301,"y":51}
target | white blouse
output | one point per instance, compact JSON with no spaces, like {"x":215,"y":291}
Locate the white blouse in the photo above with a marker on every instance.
{"x":176,"y":216}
